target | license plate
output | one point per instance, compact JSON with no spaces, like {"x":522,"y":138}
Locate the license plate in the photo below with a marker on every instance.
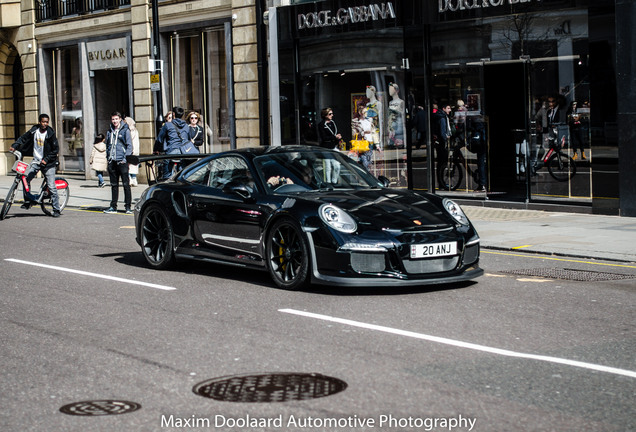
{"x":20,"y":167}
{"x":433,"y":250}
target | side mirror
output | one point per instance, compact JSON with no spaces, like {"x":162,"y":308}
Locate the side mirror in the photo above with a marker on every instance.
{"x":240,"y":189}
{"x":385,"y":181}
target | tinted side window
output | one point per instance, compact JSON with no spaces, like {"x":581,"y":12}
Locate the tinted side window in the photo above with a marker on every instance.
{"x":226,"y":169}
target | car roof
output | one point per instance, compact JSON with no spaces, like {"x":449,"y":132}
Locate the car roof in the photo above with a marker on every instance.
{"x":252,"y":152}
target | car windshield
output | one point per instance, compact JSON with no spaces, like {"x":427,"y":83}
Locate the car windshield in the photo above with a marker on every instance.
{"x":312,"y":170}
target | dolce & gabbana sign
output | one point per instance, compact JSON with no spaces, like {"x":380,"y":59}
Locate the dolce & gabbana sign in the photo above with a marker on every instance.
{"x":343,"y":16}
{"x":107,"y":54}
{"x":457,"y":5}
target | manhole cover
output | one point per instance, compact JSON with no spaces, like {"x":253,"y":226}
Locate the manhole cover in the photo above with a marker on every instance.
{"x":100,"y":407}
{"x":570,"y":274}
{"x":277,"y":387}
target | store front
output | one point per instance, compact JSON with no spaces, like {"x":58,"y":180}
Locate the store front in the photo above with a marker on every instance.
{"x":529,"y":84}
{"x":82,"y":83}
{"x":355,"y":66}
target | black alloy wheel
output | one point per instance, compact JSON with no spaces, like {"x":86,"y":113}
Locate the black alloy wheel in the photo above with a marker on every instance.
{"x":156,"y":236}
{"x":287,"y":255}
{"x":8,"y":200}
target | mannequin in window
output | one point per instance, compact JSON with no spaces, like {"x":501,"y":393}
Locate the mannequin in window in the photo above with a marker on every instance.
{"x":396,"y":117}
{"x":375,"y":115}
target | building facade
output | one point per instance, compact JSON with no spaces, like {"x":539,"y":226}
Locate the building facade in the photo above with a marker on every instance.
{"x":523,"y":78}
{"x":80,"y":60}
{"x":260,"y":71}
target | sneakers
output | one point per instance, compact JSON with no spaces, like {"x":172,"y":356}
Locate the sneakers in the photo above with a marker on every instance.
{"x":110,"y":210}
{"x":101,"y":185}
{"x":480,"y":189}
{"x":26,"y":205}
{"x":56,"y":213}
{"x":128,"y":211}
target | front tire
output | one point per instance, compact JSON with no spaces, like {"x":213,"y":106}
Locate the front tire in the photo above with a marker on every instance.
{"x":63,"y":196}
{"x":157,"y":238}
{"x":449,"y":175}
{"x":8,"y":200}
{"x":287,"y":255}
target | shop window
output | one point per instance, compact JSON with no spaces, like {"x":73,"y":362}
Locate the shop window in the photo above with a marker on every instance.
{"x":65,"y":100}
{"x":528,"y":87}
{"x":200,"y":83}
{"x":369,"y":113}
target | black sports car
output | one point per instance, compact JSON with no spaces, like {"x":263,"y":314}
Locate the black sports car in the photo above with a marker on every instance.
{"x":305,"y":214}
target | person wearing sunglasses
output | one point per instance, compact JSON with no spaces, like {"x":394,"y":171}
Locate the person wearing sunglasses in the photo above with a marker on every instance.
{"x":329,"y":138}
{"x":195,"y":131}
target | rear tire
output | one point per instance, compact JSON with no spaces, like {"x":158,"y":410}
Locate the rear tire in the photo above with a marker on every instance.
{"x":287,"y":255}
{"x":157,"y":238}
{"x":8,"y":200}
{"x":63,"y":196}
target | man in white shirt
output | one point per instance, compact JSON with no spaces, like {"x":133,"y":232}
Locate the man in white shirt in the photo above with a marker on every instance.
{"x":41,"y":143}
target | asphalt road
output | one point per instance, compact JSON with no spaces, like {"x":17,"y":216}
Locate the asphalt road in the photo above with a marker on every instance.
{"x":504,"y":353}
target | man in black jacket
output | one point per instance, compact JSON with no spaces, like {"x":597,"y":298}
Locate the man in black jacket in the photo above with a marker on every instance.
{"x":41,"y":143}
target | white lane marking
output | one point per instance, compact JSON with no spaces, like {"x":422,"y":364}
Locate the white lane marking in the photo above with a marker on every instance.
{"x":114,"y":278}
{"x":460,"y":344}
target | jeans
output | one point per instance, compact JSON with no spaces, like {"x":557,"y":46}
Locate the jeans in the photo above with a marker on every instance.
{"x":100,"y":177}
{"x":115,"y":171}
{"x":332,"y":171}
{"x":48,"y":171}
{"x":168,"y":167}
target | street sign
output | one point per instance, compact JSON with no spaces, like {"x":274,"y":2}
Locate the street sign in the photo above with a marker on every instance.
{"x":155,"y":84}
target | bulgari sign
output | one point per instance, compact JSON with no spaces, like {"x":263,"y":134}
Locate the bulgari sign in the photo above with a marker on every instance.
{"x":107,"y":54}
{"x":457,"y":5}
{"x":350,"y":15}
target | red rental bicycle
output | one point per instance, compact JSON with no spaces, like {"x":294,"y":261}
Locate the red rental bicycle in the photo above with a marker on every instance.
{"x":43,"y":198}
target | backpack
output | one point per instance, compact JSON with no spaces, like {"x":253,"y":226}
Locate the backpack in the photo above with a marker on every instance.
{"x":187,"y":147}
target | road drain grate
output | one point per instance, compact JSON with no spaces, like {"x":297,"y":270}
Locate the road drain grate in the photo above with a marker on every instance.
{"x":100,"y":408}
{"x":274,"y":387}
{"x":570,"y":274}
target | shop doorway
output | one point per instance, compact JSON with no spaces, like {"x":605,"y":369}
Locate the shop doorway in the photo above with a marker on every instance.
{"x":505,"y":107}
{"x":111,"y":94}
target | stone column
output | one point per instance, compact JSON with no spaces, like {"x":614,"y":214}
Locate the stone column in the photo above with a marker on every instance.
{"x":143,"y":97}
{"x":245,"y":73}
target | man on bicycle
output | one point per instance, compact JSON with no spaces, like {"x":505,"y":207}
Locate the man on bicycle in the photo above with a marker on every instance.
{"x":41,"y":143}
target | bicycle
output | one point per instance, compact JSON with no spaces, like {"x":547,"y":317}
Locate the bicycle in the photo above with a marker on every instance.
{"x":560,"y":166}
{"x":43,"y":198}
{"x":450,"y":171}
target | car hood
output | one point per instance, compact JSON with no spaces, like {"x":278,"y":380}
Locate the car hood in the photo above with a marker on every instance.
{"x":389,"y":208}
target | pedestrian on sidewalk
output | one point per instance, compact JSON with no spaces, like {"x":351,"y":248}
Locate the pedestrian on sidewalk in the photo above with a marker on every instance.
{"x":118,"y":147}
{"x":133,"y":162}
{"x":98,"y":160}
{"x":41,"y":143}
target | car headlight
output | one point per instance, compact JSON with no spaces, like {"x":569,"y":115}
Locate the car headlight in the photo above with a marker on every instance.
{"x":455,"y":211}
{"x":337,"y":218}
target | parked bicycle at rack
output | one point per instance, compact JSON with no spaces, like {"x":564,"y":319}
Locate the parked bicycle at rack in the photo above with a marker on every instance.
{"x":43,"y":198}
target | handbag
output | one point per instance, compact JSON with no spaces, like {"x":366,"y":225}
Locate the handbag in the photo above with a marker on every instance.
{"x":359,"y":145}
{"x":342,"y":145}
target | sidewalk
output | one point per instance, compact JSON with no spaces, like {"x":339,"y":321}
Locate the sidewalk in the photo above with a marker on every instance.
{"x":572,"y":234}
